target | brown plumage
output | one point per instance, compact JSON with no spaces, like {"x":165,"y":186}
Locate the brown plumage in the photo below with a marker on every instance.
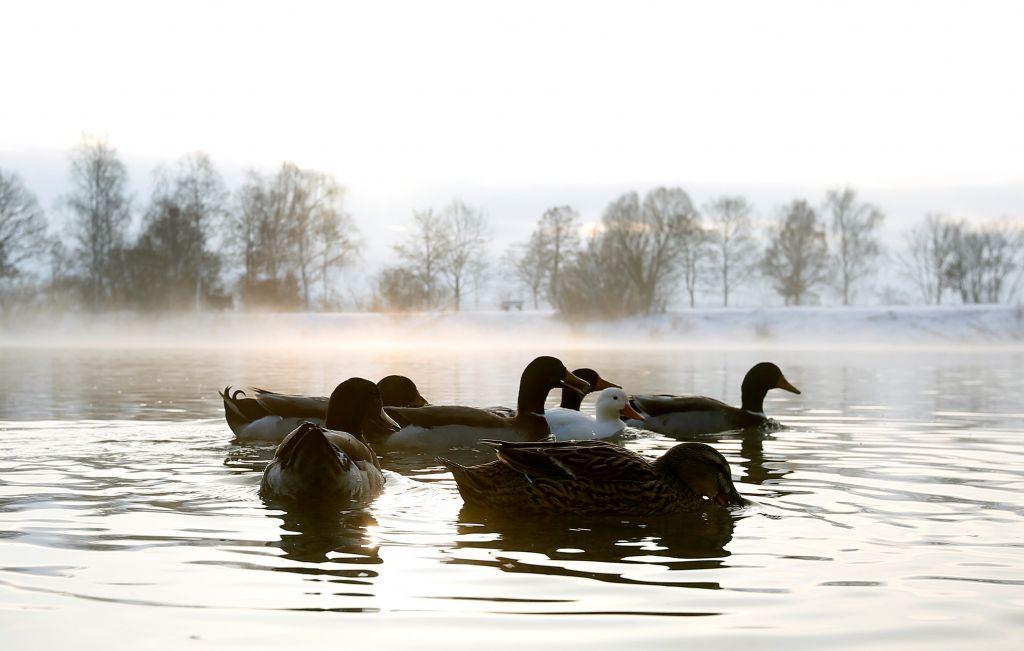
{"x":324,"y":464}
{"x":595,"y":477}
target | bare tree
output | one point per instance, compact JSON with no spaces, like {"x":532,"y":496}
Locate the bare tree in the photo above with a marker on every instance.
{"x":465,"y":251}
{"x":732,"y":241}
{"x":645,"y":242}
{"x":986,"y":262}
{"x":101,"y":208}
{"x":797,"y":255}
{"x":399,"y":289}
{"x":423,"y":250}
{"x":694,"y":257}
{"x":200,"y":193}
{"x":319,"y":231}
{"x":855,"y":234}
{"x":589,"y":290}
{"x":336,"y":244}
{"x":558,"y":241}
{"x":528,"y":262}
{"x":22,"y":225}
{"x":291,"y":231}
{"x":930,"y":248}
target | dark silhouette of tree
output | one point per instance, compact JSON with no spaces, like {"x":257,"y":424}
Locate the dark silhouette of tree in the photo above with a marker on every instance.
{"x":854,"y":229}
{"x":735,"y":250}
{"x":101,"y":210}
{"x":797,"y":255}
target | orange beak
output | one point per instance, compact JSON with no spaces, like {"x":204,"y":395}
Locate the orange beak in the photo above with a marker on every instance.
{"x":629,"y":412}
{"x":603,"y":384}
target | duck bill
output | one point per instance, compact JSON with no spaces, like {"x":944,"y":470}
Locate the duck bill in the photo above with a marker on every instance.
{"x":603,"y":384}
{"x":786,"y":386}
{"x":418,"y":401}
{"x":629,"y":412}
{"x":576,"y":384}
{"x":380,"y":424}
{"x":730,"y":498}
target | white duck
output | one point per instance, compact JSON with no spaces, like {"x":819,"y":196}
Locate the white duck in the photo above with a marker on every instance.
{"x":572,"y":425}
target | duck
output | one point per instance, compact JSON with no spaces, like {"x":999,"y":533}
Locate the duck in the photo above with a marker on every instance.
{"x":332,"y":462}
{"x":694,"y":415}
{"x":571,"y":399}
{"x":562,"y":477}
{"x":258,"y":415}
{"x":437,"y":426}
{"x":573,"y":425}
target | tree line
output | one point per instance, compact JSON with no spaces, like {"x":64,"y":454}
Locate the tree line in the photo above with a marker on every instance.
{"x":280,"y":241}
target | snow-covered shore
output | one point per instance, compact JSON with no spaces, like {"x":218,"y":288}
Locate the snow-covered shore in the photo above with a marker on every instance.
{"x":794,"y":327}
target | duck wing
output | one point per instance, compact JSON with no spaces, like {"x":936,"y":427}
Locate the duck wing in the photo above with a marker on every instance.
{"x":594,"y":461}
{"x":439,"y":416}
{"x":280,"y":404}
{"x":658,"y":405}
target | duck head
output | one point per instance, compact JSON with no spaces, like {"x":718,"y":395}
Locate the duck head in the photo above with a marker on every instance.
{"x":572,"y":400}
{"x":541,"y":376}
{"x":356,"y":407}
{"x":613,"y":403}
{"x":400,"y":391}
{"x":704,"y":470}
{"x":758,"y":381}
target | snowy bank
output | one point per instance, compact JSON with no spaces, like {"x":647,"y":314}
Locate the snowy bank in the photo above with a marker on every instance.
{"x":773,"y":327}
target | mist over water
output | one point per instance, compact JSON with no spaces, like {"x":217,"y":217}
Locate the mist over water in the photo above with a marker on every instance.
{"x":889,"y":508}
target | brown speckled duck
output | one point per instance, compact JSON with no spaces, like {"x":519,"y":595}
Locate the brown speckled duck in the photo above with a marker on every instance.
{"x":595,"y":477}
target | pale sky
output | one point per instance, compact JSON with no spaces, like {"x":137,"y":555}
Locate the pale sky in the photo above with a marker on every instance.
{"x":518,"y":106}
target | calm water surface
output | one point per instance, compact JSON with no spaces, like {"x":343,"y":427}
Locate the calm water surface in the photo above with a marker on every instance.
{"x":890,"y":513}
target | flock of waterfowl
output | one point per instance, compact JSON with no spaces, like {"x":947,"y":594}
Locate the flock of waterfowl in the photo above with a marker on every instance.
{"x":548,"y":461}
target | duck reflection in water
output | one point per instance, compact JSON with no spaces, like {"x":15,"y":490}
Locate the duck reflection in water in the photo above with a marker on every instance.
{"x":604,"y":548}
{"x":322,"y":535}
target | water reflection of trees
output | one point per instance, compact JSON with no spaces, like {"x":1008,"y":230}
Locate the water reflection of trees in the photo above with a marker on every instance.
{"x":604,"y":548}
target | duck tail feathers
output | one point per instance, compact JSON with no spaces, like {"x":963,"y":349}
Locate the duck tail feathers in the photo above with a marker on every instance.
{"x":308,"y":451}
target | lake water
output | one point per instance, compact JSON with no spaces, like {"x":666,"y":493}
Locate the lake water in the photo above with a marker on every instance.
{"x":890,"y":513}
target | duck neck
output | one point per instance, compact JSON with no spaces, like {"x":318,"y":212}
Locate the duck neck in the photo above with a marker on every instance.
{"x":344,"y":420}
{"x":531,"y":400}
{"x":571,"y":399}
{"x":753,"y":400}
